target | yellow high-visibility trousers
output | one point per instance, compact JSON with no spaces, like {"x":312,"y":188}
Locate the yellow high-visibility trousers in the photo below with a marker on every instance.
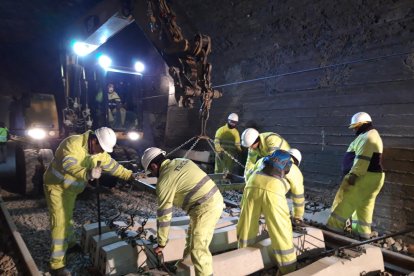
{"x":276,"y":211}
{"x":225,"y":163}
{"x":203,"y":220}
{"x":358,"y":198}
{"x":61,"y":203}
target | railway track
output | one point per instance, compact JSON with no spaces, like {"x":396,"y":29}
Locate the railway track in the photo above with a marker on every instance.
{"x":396,"y":263}
{"x":21,"y":256}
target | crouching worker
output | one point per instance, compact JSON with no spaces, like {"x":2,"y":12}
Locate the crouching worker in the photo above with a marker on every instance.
{"x":75,"y":163}
{"x":265,"y":194}
{"x":182,"y":183}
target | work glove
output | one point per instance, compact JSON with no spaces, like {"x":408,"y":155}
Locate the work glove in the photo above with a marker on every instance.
{"x":95,"y":173}
{"x":137,"y":176}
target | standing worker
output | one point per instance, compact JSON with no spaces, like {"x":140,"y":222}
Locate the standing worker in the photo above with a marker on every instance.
{"x":116,"y":111}
{"x":182,"y":183}
{"x":227,"y":138}
{"x":260,"y":145}
{"x":297,"y":190}
{"x":75,"y":163}
{"x":363,"y":180}
{"x":265,"y":194}
{"x":4,"y":136}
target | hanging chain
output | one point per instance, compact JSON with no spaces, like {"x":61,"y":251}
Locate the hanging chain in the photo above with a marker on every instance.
{"x":180,"y":146}
{"x":228,"y":154}
{"x":192,"y":147}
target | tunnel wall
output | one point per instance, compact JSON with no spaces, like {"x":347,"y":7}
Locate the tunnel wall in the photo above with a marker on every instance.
{"x":302,"y":69}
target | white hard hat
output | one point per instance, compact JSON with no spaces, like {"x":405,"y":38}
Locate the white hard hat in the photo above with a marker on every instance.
{"x":106,"y":138}
{"x":233,"y":117}
{"x":359,"y":118}
{"x":296,"y":153}
{"x":248,"y":137}
{"x":149,"y":155}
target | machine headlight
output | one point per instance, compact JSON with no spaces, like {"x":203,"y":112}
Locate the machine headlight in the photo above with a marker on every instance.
{"x":37,"y":133}
{"x":133,"y":135}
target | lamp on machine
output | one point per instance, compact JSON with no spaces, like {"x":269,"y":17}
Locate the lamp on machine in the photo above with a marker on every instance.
{"x":105,"y":61}
{"x":133,"y":135}
{"x":139,"y":66}
{"x":83,"y":49}
{"x":36,"y":133}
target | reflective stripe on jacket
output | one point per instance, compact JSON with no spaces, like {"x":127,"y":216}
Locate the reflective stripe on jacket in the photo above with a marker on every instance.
{"x":269,"y":142}
{"x":295,"y":179}
{"x":72,"y":162}
{"x":183,"y":184}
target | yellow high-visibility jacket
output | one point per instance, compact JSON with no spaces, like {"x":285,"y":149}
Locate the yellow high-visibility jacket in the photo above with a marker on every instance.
{"x":183,"y":184}
{"x":269,"y":142}
{"x":4,"y":132}
{"x":294,"y":183}
{"x":365,"y":153}
{"x":227,"y":139}
{"x":72,"y":162}
{"x":295,"y":179}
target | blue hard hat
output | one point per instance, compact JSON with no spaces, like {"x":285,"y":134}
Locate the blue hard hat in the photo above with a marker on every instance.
{"x":279,"y":159}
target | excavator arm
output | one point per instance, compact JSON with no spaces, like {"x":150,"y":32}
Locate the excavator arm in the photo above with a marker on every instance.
{"x":187,"y":59}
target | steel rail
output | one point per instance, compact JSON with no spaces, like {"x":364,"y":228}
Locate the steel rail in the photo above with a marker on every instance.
{"x":25,"y":261}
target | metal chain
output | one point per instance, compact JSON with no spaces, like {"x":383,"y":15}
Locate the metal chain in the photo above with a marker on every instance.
{"x":192,"y":147}
{"x":228,"y":154}
{"x":180,"y":146}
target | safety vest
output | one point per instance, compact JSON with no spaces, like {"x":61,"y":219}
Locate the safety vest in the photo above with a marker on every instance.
{"x":183,"y":184}
{"x":269,"y":142}
{"x":3,"y":134}
{"x":72,"y":162}
{"x":227,"y":138}
{"x":364,"y":154}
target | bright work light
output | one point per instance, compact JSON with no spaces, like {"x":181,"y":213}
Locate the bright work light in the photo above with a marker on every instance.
{"x":139,"y":67}
{"x":104,"y":61}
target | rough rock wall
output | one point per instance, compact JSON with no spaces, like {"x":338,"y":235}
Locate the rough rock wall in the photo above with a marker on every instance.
{"x":302,"y":68}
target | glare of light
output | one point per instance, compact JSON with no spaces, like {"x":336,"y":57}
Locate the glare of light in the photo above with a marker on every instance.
{"x":133,"y":135}
{"x":52,"y":133}
{"x":37,"y":133}
{"x":83,"y":49}
{"x":104,"y":61}
{"x":139,"y":67}
{"x":103,"y":39}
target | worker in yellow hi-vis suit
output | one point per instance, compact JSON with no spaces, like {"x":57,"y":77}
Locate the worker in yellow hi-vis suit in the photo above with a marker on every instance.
{"x":75,"y":163}
{"x":182,"y":183}
{"x":297,"y":190}
{"x":260,"y":145}
{"x":294,"y":184}
{"x":363,"y":180}
{"x":227,"y":138}
{"x":265,"y":194}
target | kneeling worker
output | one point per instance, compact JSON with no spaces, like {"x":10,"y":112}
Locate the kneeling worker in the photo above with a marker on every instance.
{"x":182,"y":183}
{"x":75,"y":163}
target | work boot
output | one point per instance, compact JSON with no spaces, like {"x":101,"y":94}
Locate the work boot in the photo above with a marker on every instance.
{"x":60,"y":272}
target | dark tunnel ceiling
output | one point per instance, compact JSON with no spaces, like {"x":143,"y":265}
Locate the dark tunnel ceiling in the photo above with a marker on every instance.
{"x":24,"y":20}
